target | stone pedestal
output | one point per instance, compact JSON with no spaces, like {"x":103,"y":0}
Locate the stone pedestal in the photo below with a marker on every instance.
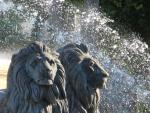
{"x":2,"y":94}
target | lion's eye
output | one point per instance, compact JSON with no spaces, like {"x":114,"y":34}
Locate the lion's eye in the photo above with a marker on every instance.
{"x":97,"y":71}
{"x":91,"y":68}
{"x":51,"y":62}
{"x":91,"y":63}
{"x":39,"y":58}
{"x":34,"y":63}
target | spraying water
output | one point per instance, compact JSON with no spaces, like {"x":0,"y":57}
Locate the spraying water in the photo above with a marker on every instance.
{"x":124,"y":56}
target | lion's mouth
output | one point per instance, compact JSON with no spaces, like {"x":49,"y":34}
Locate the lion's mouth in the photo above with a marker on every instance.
{"x":104,"y":83}
{"x":98,"y":83}
{"x":45,"y":82}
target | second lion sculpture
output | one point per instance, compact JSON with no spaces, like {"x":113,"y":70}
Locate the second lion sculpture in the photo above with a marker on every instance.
{"x":84,"y":78}
{"x":36,"y":82}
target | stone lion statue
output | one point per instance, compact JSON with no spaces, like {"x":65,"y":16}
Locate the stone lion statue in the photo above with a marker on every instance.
{"x":84,"y":78}
{"x":35,"y":82}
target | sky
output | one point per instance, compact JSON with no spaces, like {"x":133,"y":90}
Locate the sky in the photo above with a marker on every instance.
{"x":5,"y":6}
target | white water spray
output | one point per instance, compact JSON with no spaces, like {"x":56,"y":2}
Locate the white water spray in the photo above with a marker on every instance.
{"x":125,"y":57}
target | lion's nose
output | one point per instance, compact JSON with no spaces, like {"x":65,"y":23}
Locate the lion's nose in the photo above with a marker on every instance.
{"x":105,"y":74}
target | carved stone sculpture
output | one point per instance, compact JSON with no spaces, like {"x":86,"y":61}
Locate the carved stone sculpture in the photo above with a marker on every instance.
{"x":84,"y":78}
{"x":35,"y":82}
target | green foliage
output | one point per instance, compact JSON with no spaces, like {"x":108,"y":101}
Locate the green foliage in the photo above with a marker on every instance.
{"x":133,"y":13}
{"x":78,"y":3}
{"x":141,"y":108}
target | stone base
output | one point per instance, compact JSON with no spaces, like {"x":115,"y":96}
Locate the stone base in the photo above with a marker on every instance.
{"x":2,"y":94}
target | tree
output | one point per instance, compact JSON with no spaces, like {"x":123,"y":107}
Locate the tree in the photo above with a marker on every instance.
{"x":133,"y":13}
{"x":10,"y":28}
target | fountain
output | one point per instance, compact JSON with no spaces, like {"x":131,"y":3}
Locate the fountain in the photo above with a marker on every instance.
{"x":124,"y":55}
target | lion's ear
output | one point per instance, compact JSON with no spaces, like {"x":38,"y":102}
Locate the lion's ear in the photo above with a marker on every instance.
{"x":13,"y":56}
{"x":83,"y":47}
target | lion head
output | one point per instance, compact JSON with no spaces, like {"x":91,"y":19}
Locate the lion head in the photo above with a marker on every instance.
{"x":36,"y":81}
{"x":84,"y":78}
{"x":44,"y":75}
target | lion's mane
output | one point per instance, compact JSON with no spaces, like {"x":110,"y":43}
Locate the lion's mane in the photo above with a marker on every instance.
{"x":24,"y":95}
{"x":81,"y":87}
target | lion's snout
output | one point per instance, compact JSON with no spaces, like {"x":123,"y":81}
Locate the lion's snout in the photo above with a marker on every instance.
{"x":45,"y":82}
{"x":105,"y":74}
{"x":45,"y":78}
